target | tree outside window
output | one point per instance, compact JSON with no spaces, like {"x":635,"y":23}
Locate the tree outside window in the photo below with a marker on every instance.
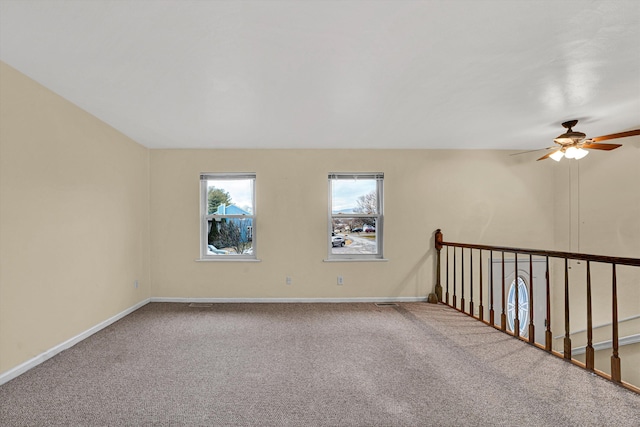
{"x":228,"y":217}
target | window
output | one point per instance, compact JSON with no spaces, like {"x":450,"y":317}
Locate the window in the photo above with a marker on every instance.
{"x":523,"y":306}
{"x":227,"y":226}
{"x":355,"y":215}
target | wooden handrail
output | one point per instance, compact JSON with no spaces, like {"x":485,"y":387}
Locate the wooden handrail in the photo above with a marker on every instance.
{"x":514,"y":308}
{"x":634,"y":262}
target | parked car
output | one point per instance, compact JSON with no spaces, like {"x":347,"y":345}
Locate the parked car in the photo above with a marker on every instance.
{"x":337,"y":240}
{"x":357,"y":230}
{"x":368,"y":229}
{"x":212,"y":250}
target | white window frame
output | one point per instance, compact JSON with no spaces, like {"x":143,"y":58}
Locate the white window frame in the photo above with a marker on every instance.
{"x":379,"y":216}
{"x":205,"y":217}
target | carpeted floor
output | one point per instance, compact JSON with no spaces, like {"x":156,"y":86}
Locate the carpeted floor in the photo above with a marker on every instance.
{"x":309,"y":365}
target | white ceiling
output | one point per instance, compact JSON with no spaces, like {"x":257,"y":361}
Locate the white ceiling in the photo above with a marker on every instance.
{"x":335,"y":74}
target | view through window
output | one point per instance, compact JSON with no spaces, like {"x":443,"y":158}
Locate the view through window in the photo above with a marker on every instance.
{"x":228,"y":216}
{"x":355,"y":215}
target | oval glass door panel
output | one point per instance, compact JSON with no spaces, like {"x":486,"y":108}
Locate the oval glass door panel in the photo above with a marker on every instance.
{"x":523,"y":306}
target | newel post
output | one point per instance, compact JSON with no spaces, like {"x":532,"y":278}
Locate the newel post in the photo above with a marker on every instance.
{"x":438,"y":239}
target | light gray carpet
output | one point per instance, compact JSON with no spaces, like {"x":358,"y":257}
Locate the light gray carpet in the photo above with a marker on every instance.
{"x":309,"y":365}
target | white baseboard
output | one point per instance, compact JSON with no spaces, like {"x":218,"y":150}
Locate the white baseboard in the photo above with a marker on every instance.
{"x":628,"y":340}
{"x":35,"y":361}
{"x":288,"y":300}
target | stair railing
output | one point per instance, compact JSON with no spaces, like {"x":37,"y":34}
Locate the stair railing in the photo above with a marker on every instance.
{"x":455,"y":282}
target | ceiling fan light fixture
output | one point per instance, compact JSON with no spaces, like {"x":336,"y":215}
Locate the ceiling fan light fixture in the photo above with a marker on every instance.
{"x":571,"y":152}
{"x":557,"y":156}
{"x":570,"y":143}
{"x":580,"y":153}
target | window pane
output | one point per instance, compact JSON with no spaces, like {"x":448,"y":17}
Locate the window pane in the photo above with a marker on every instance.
{"x":228,"y":215}
{"x":354,"y":236}
{"x":230,"y":236}
{"x":230,"y":196}
{"x":354,"y":196}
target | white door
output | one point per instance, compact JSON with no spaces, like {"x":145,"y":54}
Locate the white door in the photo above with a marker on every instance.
{"x":523,"y":283}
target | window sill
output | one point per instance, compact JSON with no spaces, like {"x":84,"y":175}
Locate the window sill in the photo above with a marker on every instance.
{"x":228,"y":260}
{"x":355,"y":260}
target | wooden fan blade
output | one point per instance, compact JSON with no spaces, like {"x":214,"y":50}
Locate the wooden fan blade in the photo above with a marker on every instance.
{"x":616,"y":135}
{"x":606,"y":147}
{"x":531,"y":151}
{"x":546,"y":156}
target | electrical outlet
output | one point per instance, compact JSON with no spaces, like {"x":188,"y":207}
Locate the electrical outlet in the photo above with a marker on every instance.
{"x":340,"y":281}
{"x":288,"y":280}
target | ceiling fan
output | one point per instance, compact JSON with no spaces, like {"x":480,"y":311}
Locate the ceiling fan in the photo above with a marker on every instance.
{"x":575,"y":145}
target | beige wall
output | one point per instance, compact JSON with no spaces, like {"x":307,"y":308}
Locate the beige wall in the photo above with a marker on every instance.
{"x":597,"y":211}
{"x":85,"y":211}
{"x":481,"y":196}
{"x":73,"y":220}
{"x":601,"y":215}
